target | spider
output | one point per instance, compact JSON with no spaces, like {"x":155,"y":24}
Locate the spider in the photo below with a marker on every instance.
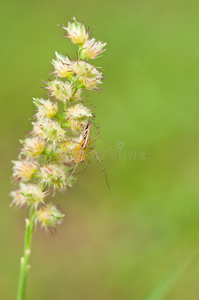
{"x":85,"y":148}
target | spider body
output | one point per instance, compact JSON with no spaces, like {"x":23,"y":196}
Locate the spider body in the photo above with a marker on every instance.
{"x":85,"y":148}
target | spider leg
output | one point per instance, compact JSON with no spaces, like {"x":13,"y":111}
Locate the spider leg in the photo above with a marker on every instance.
{"x":88,"y":162}
{"x":76,"y":163}
{"x":95,"y":137}
{"x":89,"y":148}
{"x":94,"y":151}
{"x":73,"y":171}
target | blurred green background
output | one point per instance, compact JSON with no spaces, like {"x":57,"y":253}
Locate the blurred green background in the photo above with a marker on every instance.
{"x":114,"y":244}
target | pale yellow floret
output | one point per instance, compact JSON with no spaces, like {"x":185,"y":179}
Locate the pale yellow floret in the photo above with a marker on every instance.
{"x":78,"y":117}
{"x":79,"y":111}
{"x":18,"y":199}
{"x":33,"y":147}
{"x":24,"y":170}
{"x":82,"y":68}
{"x":90,"y":83}
{"x":62,"y":65}
{"x":92,"y":49}
{"x":77,"y":32}
{"x":49,"y":129}
{"x":89,"y":76}
{"x":49,"y":215}
{"x":69,"y":145}
{"x":46,"y":108}
{"x":63,"y":156}
{"x":32,"y":193}
{"x":60,"y":90}
{"x":55,"y":175}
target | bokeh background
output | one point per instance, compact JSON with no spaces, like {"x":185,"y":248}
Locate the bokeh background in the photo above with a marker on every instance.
{"x":117,"y":243}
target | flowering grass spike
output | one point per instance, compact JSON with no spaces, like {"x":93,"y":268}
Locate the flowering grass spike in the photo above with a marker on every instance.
{"x":59,"y":140}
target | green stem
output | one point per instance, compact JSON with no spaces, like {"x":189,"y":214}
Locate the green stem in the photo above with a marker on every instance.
{"x":25,"y":259}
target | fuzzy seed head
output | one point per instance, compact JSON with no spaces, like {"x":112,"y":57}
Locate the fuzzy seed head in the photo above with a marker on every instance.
{"x":82,"y":68}
{"x":23,"y":170}
{"x":62,"y":65}
{"x":46,"y":108}
{"x":61,"y":131}
{"x":49,"y":215}
{"x":60,"y":90}
{"x":33,"y":147}
{"x":89,"y":76}
{"x":92,"y":49}
{"x":76,"y":32}
{"x":63,"y":152}
{"x":54,"y":175}
{"x":18,"y":199}
{"x":78,"y":116}
{"x":68,"y":146}
{"x":63,"y":157}
{"x":32,"y":193}
{"x":79,"y":111}
{"x":90,"y":83}
{"x":49,"y":129}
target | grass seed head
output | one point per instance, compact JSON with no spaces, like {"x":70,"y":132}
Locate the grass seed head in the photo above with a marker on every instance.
{"x":92,"y":49}
{"x":76,"y":32}
{"x":32,"y":147}
{"x":23,"y":170}
{"x":49,"y":216}
{"x":46,"y":108}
